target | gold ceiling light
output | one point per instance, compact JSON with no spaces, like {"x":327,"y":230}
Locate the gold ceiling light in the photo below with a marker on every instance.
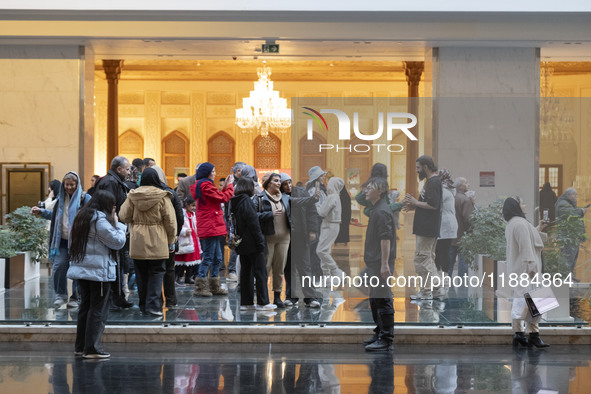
{"x":556,"y":121}
{"x":263,"y":110}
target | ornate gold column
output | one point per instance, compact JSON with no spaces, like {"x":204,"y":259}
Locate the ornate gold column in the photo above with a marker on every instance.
{"x":112,"y":71}
{"x":413,"y":71}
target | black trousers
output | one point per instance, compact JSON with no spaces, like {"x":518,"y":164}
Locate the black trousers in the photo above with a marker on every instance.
{"x":253,"y":266}
{"x":149,"y":275}
{"x":299,"y":253}
{"x":92,"y":315}
{"x":442,"y":260}
{"x":382,"y":306}
{"x":169,"y":285}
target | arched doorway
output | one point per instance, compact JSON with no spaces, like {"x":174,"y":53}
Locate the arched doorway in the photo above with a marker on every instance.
{"x":175,"y":154}
{"x":267,"y":152}
{"x":220,"y":153}
{"x":131,"y":145}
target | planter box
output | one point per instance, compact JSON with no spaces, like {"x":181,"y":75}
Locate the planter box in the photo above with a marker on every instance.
{"x":2,"y":274}
{"x":19,"y":269}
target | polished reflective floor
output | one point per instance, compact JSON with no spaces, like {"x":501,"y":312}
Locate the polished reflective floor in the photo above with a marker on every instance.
{"x":151,"y":368}
{"x":33,"y":302}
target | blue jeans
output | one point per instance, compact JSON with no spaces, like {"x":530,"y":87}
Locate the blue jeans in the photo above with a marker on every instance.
{"x":60,"y":266}
{"x":462,"y":265}
{"x":211,"y":257}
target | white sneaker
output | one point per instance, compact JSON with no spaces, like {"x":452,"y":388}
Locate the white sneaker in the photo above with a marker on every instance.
{"x":313,"y":304}
{"x":232,"y":277}
{"x":73,"y":303}
{"x":422,"y":296}
{"x":59,"y":302}
{"x":268,"y":307}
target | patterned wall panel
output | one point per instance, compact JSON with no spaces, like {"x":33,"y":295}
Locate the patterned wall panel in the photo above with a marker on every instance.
{"x":220,"y":149}
{"x":267,"y":152}
{"x":176,"y":98}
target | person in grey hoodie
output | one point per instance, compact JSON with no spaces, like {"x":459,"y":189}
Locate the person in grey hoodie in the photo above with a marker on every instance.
{"x":96,"y":236}
{"x":330,"y":211}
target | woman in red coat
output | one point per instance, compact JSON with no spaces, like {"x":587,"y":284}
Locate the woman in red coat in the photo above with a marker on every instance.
{"x":210,"y":226}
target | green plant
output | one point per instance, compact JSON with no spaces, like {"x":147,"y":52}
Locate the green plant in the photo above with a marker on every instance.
{"x":31,"y":231}
{"x":487,"y":233}
{"x":7,"y":244}
{"x":568,"y":232}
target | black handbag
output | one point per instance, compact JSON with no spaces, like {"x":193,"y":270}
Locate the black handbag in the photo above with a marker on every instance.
{"x":233,"y":240}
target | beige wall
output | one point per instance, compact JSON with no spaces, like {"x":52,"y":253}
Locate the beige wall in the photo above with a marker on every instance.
{"x":40,"y":106}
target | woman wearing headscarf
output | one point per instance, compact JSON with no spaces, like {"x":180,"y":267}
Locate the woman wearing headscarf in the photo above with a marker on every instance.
{"x":524,"y":248}
{"x":69,"y":201}
{"x":274,"y":214}
{"x":210,"y":227}
{"x":448,"y":231}
{"x":152,"y":225}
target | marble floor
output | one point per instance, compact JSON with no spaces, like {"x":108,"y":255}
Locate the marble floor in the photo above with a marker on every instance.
{"x":33,"y":302}
{"x":142,"y":368}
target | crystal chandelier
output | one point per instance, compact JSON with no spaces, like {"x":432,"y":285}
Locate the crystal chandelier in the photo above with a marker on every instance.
{"x":556,"y":120}
{"x":263,"y":110}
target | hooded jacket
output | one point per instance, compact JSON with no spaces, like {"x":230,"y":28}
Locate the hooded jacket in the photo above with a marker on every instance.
{"x":98,"y":265}
{"x":330,"y":210}
{"x":247,"y":225}
{"x":76,"y":202}
{"x":152,"y":224}
{"x":210,"y":215}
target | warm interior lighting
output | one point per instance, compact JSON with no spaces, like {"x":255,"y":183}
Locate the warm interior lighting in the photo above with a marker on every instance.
{"x":556,"y":121}
{"x":263,"y":110}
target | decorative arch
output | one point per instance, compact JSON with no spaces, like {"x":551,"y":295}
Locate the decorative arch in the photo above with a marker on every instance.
{"x":221,"y":152}
{"x":310,"y":156}
{"x":175,"y":154}
{"x":131,"y":145}
{"x":267,"y":152}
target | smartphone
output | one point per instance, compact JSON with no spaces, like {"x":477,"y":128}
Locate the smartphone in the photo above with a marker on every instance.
{"x":545,"y":219}
{"x":317,"y":185}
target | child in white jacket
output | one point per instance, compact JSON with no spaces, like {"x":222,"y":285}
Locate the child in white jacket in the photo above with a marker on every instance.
{"x":188,"y":256}
{"x":330,"y":211}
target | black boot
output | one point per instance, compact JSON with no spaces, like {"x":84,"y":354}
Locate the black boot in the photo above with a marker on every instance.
{"x":535,"y":340}
{"x":277,"y":299}
{"x":371,"y":339}
{"x":381,"y":345}
{"x":519,"y":339}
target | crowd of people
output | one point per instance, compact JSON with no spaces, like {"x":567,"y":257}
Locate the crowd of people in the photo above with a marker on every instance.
{"x":131,"y":224}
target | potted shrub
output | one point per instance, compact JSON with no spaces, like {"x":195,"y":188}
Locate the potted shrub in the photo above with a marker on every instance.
{"x":31,"y":237}
{"x":7,"y":251}
{"x":487,"y":233}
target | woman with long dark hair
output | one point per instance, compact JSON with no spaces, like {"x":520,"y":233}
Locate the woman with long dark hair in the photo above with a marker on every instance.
{"x":95,"y":237}
{"x":524,"y":256}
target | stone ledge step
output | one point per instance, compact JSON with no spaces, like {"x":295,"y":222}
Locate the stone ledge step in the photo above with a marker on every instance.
{"x":472,"y":335}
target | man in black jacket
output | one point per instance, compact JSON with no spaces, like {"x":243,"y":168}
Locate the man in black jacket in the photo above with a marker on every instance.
{"x":114,"y":183}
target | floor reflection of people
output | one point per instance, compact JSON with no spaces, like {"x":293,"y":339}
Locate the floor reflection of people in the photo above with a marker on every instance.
{"x":525,"y":371}
{"x":58,"y":377}
{"x":381,"y":371}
